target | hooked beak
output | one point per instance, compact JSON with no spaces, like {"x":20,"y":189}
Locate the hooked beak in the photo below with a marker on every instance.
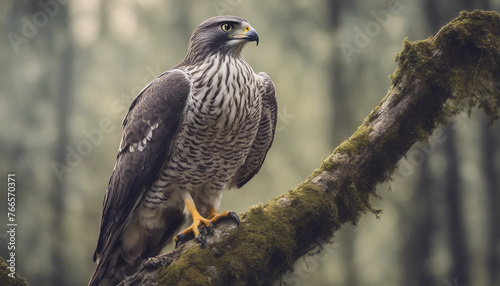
{"x":250,"y":35}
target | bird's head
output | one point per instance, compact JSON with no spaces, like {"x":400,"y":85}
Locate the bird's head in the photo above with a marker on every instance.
{"x":221,"y":34}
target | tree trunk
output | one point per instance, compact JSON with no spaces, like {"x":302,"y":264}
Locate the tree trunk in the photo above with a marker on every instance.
{"x":63,"y":99}
{"x":342,"y":113}
{"x":490,"y":147}
{"x":457,"y":237}
{"x":436,"y":79}
{"x":418,"y":246}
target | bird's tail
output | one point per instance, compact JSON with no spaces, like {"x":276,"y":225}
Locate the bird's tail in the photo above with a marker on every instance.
{"x":112,"y":270}
{"x":115,"y":262}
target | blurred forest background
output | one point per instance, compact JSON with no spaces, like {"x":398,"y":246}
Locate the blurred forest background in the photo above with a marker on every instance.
{"x":70,"y":69}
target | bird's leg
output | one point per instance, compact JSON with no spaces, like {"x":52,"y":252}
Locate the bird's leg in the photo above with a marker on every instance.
{"x":198,"y":221}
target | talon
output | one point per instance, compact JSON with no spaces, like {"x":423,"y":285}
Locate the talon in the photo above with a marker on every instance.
{"x":234,"y":216}
{"x":201,"y":239}
{"x":179,"y":236}
{"x":204,"y":231}
{"x":179,"y":239}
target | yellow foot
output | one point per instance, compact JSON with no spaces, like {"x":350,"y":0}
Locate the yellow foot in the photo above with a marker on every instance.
{"x":201,"y":226}
{"x":206,"y":227}
{"x":215,"y":217}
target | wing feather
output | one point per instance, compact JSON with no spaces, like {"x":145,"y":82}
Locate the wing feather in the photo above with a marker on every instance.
{"x":264,"y":137}
{"x":149,"y":129}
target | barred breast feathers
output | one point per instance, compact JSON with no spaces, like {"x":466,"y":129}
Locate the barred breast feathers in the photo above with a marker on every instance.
{"x":221,"y":117}
{"x":221,"y":90}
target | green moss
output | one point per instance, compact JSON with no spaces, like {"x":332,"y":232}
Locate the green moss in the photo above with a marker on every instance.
{"x":5,"y":279}
{"x":374,"y":113}
{"x":462,"y":60}
{"x":357,"y":141}
{"x":473,"y":39}
{"x":353,"y":203}
{"x":328,"y":164}
{"x":412,"y":59}
{"x":190,"y":269}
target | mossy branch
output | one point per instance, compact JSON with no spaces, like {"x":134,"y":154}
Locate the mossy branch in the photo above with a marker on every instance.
{"x":456,"y":70}
{"x":7,"y":277}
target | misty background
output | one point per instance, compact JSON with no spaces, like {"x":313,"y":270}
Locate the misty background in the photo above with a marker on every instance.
{"x":70,"y":70}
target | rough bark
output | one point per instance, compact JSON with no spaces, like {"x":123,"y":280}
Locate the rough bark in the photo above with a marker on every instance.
{"x":437,"y":78}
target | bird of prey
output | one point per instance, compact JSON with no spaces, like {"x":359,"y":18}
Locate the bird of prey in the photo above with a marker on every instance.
{"x":200,"y":127}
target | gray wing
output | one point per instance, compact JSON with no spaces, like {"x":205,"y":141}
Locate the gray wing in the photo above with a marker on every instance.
{"x":148,"y":131}
{"x":264,"y":137}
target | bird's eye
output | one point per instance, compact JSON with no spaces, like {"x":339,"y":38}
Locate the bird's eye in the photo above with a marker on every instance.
{"x":226,"y":27}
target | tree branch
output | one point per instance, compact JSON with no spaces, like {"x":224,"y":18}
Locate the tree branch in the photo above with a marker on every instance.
{"x":8,"y":276}
{"x":456,"y":70}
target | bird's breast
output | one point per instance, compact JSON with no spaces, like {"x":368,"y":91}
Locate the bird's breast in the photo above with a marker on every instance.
{"x":218,"y":127}
{"x":225,"y":97}
{"x":216,"y":133}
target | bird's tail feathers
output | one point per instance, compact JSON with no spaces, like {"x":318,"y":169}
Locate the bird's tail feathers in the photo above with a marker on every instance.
{"x":117,"y":261}
{"x":112,"y":270}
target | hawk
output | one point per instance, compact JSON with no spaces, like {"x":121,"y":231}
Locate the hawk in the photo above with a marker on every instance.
{"x":200,"y":127}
